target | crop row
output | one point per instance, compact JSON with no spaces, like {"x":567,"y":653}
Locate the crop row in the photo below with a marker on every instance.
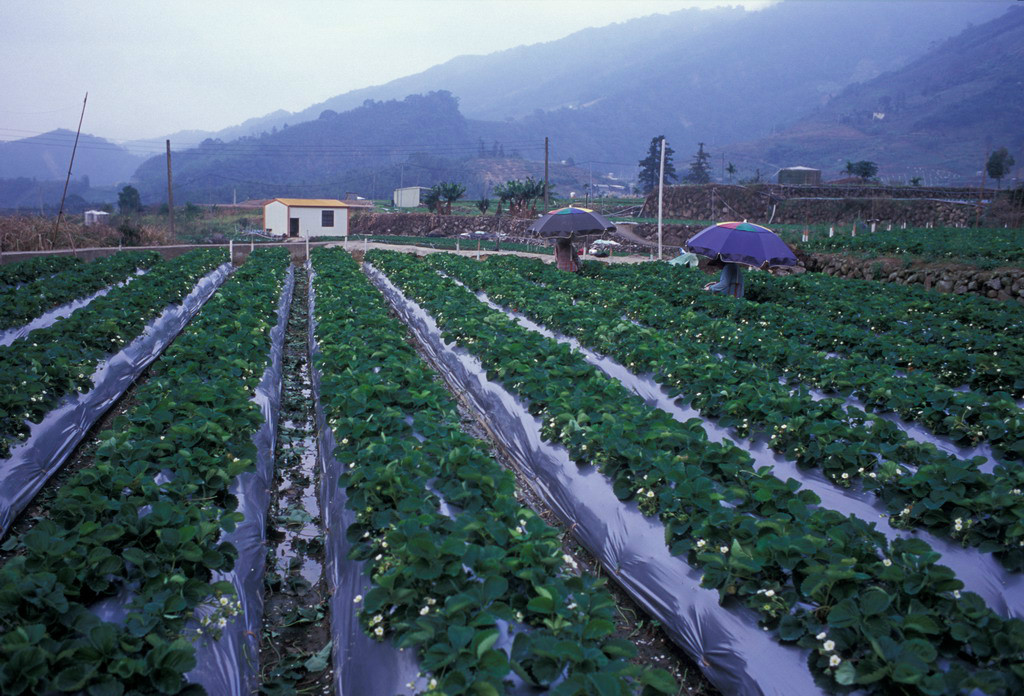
{"x":960,"y":322}
{"x":58,"y":360}
{"x":792,"y":347}
{"x":466,"y":244}
{"x":146,"y":518}
{"x":18,"y":306}
{"x":931,"y":489}
{"x":982,"y":246}
{"x":882,"y":616}
{"x":931,"y":348}
{"x":18,"y":273}
{"x":451,"y":552}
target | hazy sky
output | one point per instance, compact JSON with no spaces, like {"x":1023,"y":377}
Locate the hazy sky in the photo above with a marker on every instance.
{"x":154,"y":67}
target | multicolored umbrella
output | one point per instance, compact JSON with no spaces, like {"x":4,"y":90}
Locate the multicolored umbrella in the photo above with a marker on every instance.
{"x":565,"y":222}
{"x":742,"y":242}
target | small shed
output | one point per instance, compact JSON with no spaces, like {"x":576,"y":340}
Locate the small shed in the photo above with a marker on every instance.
{"x":800,"y":175}
{"x":408,"y":197}
{"x":306,"y":217}
{"x":96,"y":217}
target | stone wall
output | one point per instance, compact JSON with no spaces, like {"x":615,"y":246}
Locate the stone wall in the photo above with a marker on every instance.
{"x":817,"y":204}
{"x":430,"y":225}
{"x":1000,"y":284}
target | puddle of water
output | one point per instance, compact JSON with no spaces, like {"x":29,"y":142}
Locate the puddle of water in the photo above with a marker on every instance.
{"x":300,"y":489}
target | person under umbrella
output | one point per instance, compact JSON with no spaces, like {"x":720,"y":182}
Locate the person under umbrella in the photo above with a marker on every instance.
{"x":563,"y":225}
{"x":734,"y":243}
{"x":730,"y":282}
{"x":566,"y":257}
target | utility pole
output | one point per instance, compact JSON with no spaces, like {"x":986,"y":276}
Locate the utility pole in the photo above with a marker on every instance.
{"x":546,"y":203}
{"x":170,"y":192}
{"x":981,"y":192}
{"x":661,"y":187}
{"x":60,"y":214}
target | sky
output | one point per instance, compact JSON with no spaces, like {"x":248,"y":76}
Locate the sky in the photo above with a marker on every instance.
{"x":155,"y":67}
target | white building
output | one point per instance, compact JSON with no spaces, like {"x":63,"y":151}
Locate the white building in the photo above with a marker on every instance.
{"x":96,"y":217}
{"x":306,"y":217}
{"x":408,"y":197}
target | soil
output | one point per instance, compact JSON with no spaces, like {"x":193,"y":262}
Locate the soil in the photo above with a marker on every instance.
{"x":295,"y":647}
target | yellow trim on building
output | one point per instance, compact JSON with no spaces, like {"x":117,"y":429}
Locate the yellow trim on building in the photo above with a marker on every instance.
{"x":311,"y":202}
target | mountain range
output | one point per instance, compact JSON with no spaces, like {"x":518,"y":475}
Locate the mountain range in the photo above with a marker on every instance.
{"x":921,"y":88}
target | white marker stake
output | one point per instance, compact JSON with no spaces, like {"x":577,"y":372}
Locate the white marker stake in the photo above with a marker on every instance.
{"x":831,"y":231}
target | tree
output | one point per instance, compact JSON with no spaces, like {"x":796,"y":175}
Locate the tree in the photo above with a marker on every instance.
{"x":521,"y":196}
{"x":128,"y":201}
{"x":651,"y":165}
{"x":483,"y":205}
{"x":999,"y":165}
{"x":731,"y":169}
{"x":700,"y":167}
{"x":863,"y":169}
{"x":449,"y":192}
{"x":432,"y":199}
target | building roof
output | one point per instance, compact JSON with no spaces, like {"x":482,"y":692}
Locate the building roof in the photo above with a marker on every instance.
{"x":799,"y":169}
{"x":310,"y":202}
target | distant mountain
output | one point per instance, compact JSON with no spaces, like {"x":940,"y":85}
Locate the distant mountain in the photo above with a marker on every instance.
{"x":370,"y":149}
{"x":713,"y":75}
{"x":46,"y":157}
{"x":938,"y":117}
{"x":732,"y":79}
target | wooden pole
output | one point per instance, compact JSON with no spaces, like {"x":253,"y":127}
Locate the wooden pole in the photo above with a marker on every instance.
{"x":60,"y":213}
{"x":661,"y":187}
{"x":981,"y":192}
{"x":547,"y":205}
{"x":170,"y":192}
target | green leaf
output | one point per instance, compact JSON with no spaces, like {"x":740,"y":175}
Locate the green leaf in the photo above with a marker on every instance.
{"x":494,"y":587}
{"x":73,"y":678}
{"x":597,"y":629}
{"x":541,"y":605}
{"x":460,"y":636}
{"x":660,"y":680}
{"x":791,"y":628}
{"x":846,"y":674}
{"x":604,"y":684}
{"x":844,"y":614}
{"x":485,"y":640}
{"x":618,"y":647}
{"x":318,"y":662}
{"x":874,"y":601}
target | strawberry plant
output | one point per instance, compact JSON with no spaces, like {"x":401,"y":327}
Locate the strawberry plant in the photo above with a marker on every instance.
{"x":146,"y":519}
{"x":931,"y":489}
{"x":40,"y":369}
{"x":750,"y":533}
{"x":18,"y":306}
{"x":451,"y":553}
{"x":20,"y":272}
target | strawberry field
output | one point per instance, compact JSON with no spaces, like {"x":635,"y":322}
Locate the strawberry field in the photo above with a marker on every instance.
{"x":813,"y":490}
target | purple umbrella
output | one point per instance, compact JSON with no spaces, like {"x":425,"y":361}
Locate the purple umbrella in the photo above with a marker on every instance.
{"x":742,"y":242}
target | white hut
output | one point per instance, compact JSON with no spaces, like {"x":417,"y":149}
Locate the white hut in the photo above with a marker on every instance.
{"x":306,"y":217}
{"x":96,"y":217}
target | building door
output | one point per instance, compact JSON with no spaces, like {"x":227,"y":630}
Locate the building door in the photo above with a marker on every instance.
{"x":293,"y":227}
